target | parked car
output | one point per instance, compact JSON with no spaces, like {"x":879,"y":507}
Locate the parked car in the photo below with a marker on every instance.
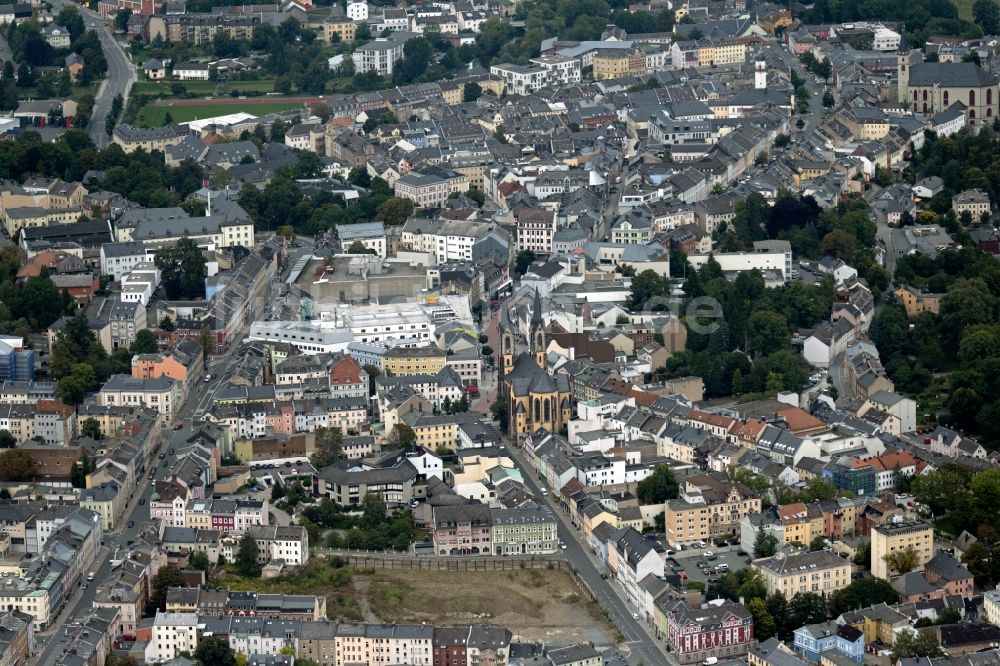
{"x":142,"y":500}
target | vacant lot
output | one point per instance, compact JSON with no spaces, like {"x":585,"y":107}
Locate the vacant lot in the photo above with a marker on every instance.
{"x":153,"y":115}
{"x":535,"y":604}
{"x":317,"y":577}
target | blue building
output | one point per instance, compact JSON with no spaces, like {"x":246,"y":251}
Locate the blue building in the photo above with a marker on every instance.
{"x":813,"y":640}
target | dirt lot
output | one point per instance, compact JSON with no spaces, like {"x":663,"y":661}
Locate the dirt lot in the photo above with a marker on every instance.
{"x":535,"y":604}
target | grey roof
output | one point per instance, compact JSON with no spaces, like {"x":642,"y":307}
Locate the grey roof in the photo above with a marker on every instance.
{"x":952,"y":74}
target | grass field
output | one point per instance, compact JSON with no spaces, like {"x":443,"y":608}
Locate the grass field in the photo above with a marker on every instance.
{"x":153,"y":115}
{"x":202,"y":87}
{"x":964,"y":8}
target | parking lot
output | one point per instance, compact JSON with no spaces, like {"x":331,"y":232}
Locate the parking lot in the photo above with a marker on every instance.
{"x":689,"y":559}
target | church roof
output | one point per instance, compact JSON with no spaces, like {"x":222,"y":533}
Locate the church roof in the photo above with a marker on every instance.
{"x":526,"y":377}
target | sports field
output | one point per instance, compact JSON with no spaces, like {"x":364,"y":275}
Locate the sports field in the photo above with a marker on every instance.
{"x":154,"y":115}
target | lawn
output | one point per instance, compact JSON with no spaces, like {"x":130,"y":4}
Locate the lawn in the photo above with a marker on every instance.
{"x":317,"y":577}
{"x":153,"y":115}
{"x":155,"y":88}
{"x":964,"y":8}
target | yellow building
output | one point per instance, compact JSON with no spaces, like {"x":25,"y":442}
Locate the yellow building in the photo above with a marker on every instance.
{"x":894,"y":537}
{"x":819,"y":572}
{"x":718,"y":515}
{"x":915,"y":301}
{"x":535,"y":398}
{"x":879,"y":623}
{"x":729,"y":52}
{"x":409,"y":361}
{"x":614,"y":64}
{"x":344,"y":29}
{"x":800,"y":523}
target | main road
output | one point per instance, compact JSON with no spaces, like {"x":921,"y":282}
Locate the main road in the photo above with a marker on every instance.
{"x":54,"y":641}
{"x":119,"y":79}
{"x":642,"y":646}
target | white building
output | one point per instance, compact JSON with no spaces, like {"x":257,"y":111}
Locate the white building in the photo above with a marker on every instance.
{"x":173,"y":633}
{"x":991,"y":607}
{"x":161,"y":393}
{"x":357,"y":11}
{"x":770,"y":255}
{"x":117,"y":259}
{"x":380,"y":55}
{"x":311,"y":337}
{"x":191,"y":71}
{"x":405,"y":324}
{"x":139,"y":284}
{"x":369,"y":234}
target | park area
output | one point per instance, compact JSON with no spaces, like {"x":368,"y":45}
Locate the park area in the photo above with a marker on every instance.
{"x":535,"y":604}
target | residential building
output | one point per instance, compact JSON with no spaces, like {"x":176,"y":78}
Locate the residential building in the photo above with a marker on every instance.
{"x":900,"y":536}
{"x":722,"y":631}
{"x":819,"y":572}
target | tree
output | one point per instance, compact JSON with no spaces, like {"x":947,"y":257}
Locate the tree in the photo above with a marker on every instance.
{"x":909,"y":643}
{"x":246,"y":558}
{"x":207,"y":341}
{"x":16,"y":465}
{"x":765,"y":544}
{"x":658,"y":487}
{"x":522,"y":261}
{"x":987,"y":14}
{"x":394,"y":211}
{"x":167,"y":324}
{"x":286,"y":231}
{"x":763,"y":621}
{"x":373,"y":511}
{"x":328,"y":447}
{"x":121,"y":19}
{"x":944,"y":489}
{"x":91,"y":428}
{"x":471,"y":92}
{"x":948,"y":616}
{"x":840,"y":244}
{"x":807,"y":608}
{"x":182,"y":270}
{"x":647,"y":286}
{"x":828,"y":100}
{"x":902,"y":561}
{"x":199,"y":560}
{"x":357,"y":247}
{"x":215,"y":652}
{"x":72,"y":388}
{"x":403,"y":435}
{"x":818,"y":543}
{"x":144,"y":343}
{"x":7,"y":440}
{"x":167,"y":577}
{"x":863,"y":593}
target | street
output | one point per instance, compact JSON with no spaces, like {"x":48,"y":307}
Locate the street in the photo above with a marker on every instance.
{"x":642,"y":644}
{"x":119,"y":79}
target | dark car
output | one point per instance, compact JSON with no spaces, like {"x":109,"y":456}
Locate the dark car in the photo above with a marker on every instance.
{"x":131,"y":524}
{"x":162,"y":456}
{"x":142,"y":500}
{"x":178,"y":426}
{"x":166,"y":463}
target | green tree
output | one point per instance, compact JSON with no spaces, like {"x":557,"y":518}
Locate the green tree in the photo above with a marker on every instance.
{"x":902,"y":561}
{"x":328,"y":447}
{"x":182,"y":270}
{"x":167,"y":324}
{"x":942,"y":490}
{"x":167,"y":577}
{"x":765,"y":544}
{"x":199,"y":560}
{"x":246,"y":558}
{"x":373,"y":510}
{"x":91,"y":428}
{"x":909,"y":643}
{"x":522,"y":261}
{"x":394,"y":211}
{"x":987,"y":14}
{"x":863,"y":593}
{"x":73,"y":388}
{"x":403,"y":435}
{"x":214,"y":652}
{"x":763,"y":622}
{"x":807,"y":608}
{"x":471,"y":92}
{"x":144,"y":343}
{"x":647,"y":286}
{"x":16,"y":465}
{"x":658,"y":487}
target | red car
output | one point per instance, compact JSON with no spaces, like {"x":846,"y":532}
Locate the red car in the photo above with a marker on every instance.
{"x":178,"y":426}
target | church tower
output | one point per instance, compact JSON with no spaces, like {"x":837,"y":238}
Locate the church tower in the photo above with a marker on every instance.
{"x":506,"y":341}
{"x":538,"y":343}
{"x":903,"y":78}
{"x":760,"y":74}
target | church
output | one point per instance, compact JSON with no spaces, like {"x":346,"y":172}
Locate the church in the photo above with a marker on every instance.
{"x":535,"y":398}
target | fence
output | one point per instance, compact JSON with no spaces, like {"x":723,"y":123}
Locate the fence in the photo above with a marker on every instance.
{"x":402,"y":561}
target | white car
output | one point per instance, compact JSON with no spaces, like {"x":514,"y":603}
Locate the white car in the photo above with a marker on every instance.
{"x":709,"y":553}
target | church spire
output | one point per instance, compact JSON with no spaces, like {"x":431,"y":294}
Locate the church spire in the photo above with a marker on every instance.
{"x":536,"y":315}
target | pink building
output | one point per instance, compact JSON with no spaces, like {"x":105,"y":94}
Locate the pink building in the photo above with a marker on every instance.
{"x":465,"y":529}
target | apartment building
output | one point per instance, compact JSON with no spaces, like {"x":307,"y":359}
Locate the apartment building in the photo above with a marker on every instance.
{"x":132,"y":138}
{"x":406,"y":361}
{"x":381,"y":55}
{"x":172,"y":634}
{"x":723,"y":631}
{"x":708,"y":509}
{"x":425,"y":191}
{"x":899,"y":536}
{"x":819,"y":572}
{"x":162,"y":393}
